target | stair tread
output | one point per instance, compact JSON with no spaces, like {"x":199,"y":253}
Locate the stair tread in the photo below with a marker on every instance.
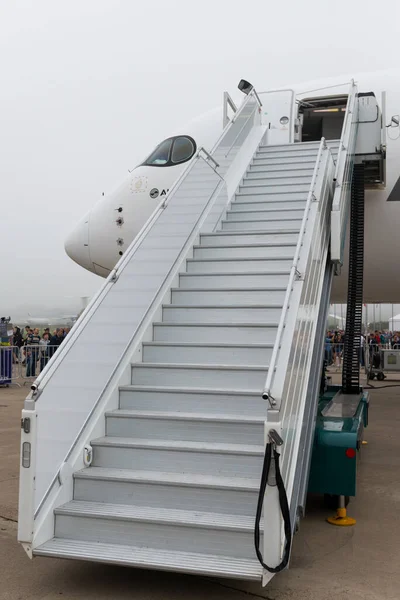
{"x":235,"y":233}
{"x":199,"y":366}
{"x":186,"y":390}
{"x":128,"y":442}
{"x":237,"y":274}
{"x":207,"y":344}
{"x":186,"y":479}
{"x":227,"y":324}
{"x":129,"y":512}
{"x":184,"y":416}
{"x":223,"y":306}
{"x":168,"y":560}
{"x":235,"y":260}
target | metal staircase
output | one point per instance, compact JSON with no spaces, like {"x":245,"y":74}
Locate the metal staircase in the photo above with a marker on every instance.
{"x":173,"y":445}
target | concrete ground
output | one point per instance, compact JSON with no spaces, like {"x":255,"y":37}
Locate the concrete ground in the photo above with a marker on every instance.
{"x":358,"y":563}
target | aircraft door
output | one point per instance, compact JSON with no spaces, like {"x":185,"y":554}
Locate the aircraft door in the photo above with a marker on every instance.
{"x":278,"y":115}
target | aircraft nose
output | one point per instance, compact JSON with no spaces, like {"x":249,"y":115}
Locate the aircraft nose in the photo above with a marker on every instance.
{"x":77,"y":244}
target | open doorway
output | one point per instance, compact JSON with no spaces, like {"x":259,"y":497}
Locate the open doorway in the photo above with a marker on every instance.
{"x":321,"y":117}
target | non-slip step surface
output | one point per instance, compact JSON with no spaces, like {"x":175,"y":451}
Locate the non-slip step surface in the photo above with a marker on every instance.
{"x":125,"y":512}
{"x":231,"y":265}
{"x":249,"y":484}
{"x":151,"y":558}
{"x":227,"y":333}
{"x":231,"y":460}
{"x":222,"y":354}
{"x":233,"y":280}
{"x":202,"y":427}
{"x":177,"y":313}
{"x":186,"y":490}
{"x":190,"y":399}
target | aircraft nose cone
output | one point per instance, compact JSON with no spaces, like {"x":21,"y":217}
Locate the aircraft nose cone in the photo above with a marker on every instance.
{"x":77,"y":245}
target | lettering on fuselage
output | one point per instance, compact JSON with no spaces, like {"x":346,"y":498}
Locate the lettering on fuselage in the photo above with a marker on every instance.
{"x":154,"y":193}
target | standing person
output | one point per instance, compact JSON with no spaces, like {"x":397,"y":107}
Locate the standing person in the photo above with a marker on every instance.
{"x":44,"y":350}
{"x":32,"y":352}
{"x":17,"y":343}
{"x":56,"y":341}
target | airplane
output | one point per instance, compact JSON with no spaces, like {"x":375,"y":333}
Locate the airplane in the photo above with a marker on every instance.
{"x":106,"y":231}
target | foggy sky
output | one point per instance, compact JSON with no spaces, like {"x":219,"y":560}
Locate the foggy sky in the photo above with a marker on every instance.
{"x":90,"y":86}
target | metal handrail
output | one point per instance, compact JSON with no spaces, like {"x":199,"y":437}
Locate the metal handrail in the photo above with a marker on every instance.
{"x":227,"y":100}
{"x":293,"y":273}
{"x":243,"y":126}
{"x":340,"y":165}
{"x":40,"y":382}
{"x":252,"y":94}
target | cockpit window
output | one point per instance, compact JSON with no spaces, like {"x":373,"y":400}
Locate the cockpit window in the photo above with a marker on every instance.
{"x":172,"y":151}
{"x":160,"y":156}
{"x":182,"y":150}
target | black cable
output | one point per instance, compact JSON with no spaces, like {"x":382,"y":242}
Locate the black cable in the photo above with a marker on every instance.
{"x":283,"y":502}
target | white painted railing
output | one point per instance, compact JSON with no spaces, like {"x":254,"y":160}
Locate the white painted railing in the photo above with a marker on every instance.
{"x":291,"y":362}
{"x":343,"y":176}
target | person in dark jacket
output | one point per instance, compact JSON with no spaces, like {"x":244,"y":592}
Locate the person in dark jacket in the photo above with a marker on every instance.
{"x":17,"y":343}
{"x":56,"y":341}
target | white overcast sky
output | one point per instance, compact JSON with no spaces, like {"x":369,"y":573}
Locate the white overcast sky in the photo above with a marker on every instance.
{"x":89,"y":86}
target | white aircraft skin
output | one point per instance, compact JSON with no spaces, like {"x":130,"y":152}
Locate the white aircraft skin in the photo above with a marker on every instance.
{"x":93,"y":243}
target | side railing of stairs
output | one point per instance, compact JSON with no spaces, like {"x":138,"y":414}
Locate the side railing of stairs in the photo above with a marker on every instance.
{"x":65,"y":408}
{"x":343,"y":177}
{"x":291,"y":365}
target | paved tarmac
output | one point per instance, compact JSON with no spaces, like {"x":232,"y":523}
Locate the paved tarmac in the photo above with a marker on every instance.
{"x":328,"y":563}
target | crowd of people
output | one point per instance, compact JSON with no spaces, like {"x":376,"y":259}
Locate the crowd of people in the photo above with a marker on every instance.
{"x":376,"y":340}
{"x":33,"y":348}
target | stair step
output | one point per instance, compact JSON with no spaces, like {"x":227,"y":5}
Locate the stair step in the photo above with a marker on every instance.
{"x":229,"y":265}
{"x":237,"y":206}
{"x":285,"y":161}
{"x":219,"y":376}
{"x":187,"y":491}
{"x":193,"y":427}
{"x":233,"y":280}
{"x":286,"y":152}
{"x":151,"y":558}
{"x":159,"y":528}
{"x":211,"y":354}
{"x":261,"y":178}
{"x":255,"y":194}
{"x":229,"y":296}
{"x":220,"y":314}
{"x":280,"y":214}
{"x":231,"y":460}
{"x":225,"y":333}
{"x":271,"y":188}
{"x":263,"y":225}
{"x":249,"y":251}
{"x":190,"y":399}
{"x":236,"y":238}
{"x":296,"y":168}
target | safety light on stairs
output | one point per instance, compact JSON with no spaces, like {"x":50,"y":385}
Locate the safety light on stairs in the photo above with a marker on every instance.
{"x":245,"y":87}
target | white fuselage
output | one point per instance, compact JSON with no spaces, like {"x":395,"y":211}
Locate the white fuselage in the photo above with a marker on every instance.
{"x":105,"y":233}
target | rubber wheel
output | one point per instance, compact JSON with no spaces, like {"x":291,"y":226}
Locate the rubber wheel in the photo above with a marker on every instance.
{"x":372,"y":376}
{"x":331,"y":501}
{"x":380,"y":377}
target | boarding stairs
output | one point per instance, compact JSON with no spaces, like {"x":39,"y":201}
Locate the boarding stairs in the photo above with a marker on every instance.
{"x":164,"y":468}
